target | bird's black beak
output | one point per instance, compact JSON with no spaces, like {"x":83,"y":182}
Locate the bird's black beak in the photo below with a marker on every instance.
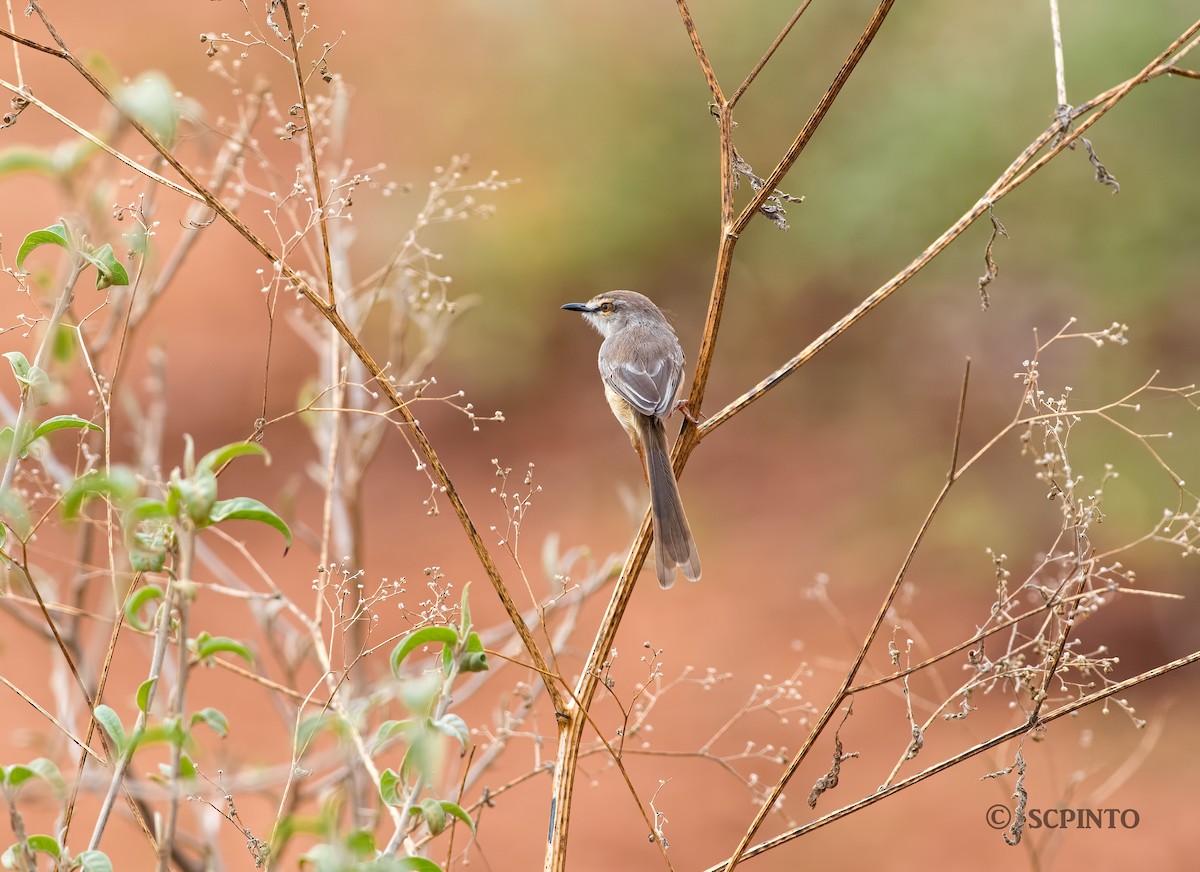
{"x":577,"y":307}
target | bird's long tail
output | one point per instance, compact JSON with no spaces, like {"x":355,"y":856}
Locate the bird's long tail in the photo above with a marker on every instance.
{"x":674,"y":546}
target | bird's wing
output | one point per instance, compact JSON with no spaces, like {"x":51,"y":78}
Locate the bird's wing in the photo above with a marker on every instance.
{"x":649,"y":388}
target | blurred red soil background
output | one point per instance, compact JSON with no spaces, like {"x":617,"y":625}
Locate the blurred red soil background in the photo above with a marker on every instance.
{"x":601,"y":115}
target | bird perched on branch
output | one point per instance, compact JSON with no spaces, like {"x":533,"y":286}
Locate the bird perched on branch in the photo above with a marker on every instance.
{"x":641,"y":364}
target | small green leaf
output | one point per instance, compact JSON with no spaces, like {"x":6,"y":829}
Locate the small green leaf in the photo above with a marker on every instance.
{"x":464,"y":612}
{"x":63,"y":349}
{"x":417,"y":638}
{"x":215,"y":718}
{"x":169,"y":732}
{"x":433,"y":813}
{"x":416,"y":864}
{"x":143,"y":694}
{"x":93,"y":861}
{"x":453,"y":808}
{"x":17,"y":774}
{"x":109,"y":271}
{"x":455,"y":727}
{"x":55,"y":234}
{"x":247,"y":509}
{"x":421,"y":757}
{"x":361,"y":843}
{"x":26,"y":160}
{"x":20,"y":365}
{"x":63,"y":422}
{"x":187,"y":768}
{"x":208,"y":647}
{"x":111,"y":722}
{"x":48,"y":772}
{"x":313,"y":725}
{"x":15,"y":511}
{"x":151,"y":100}
{"x":218,"y":457}
{"x":197,"y":494}
{"x":45,"y":844}
{"x":139,"y":599}
{"x":388,"y":731}
{"x":473,"y":659}
{"x":390,"y":787}
{"x":119,"y":484}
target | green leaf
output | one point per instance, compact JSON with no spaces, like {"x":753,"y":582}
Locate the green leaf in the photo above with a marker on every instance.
{"x":433,"y":813}
{"x":416,"y":864}
{"x":215,"y":719}
{"x":17,"y":774}
{"x":208,"y":647}
{"x":109,"y":271}
{"x":187,"y":768}
{"x":14,"y":510}
{"x":93,"y":861}
{"x":455,"y":727}
{"x":147,"y":534}
{"x":133,"y":608}
{"x":63,"y":349}
{"x":421,"y":757}
{"x":55,"y":234}
{"x":48,"y":772}
{"x":143,"y":694}
{"x":45,"y":844}
{"x":169,"y":732}
{"x":218,"y":457}
{"x":119,"y":484}
{"x":464,"y":612}
{"x":417,"y":638}
{"x":390,"y":788}
{"x":111,"y":722}
{"x":197,"y":494}
{"x":20,"y":365}
{"x":313,"y":725}
{"x":361,"y":843}
{"x":453,"y":808}
{"x":247,"y":509}
{"x":20,"y":159}
{"x":151,"y":100}
{"x":388,"y":731}
{"x":63,"y":422}
{"x":473,"y":659}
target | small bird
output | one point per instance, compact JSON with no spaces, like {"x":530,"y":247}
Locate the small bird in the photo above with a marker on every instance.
{"x":641,"y":363}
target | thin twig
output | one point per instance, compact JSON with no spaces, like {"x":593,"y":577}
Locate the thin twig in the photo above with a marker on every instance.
{"x":762,"y":62}
{"x":311,"y":137}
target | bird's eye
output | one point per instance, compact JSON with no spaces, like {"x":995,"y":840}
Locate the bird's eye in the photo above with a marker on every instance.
{"x":606,"y":307}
